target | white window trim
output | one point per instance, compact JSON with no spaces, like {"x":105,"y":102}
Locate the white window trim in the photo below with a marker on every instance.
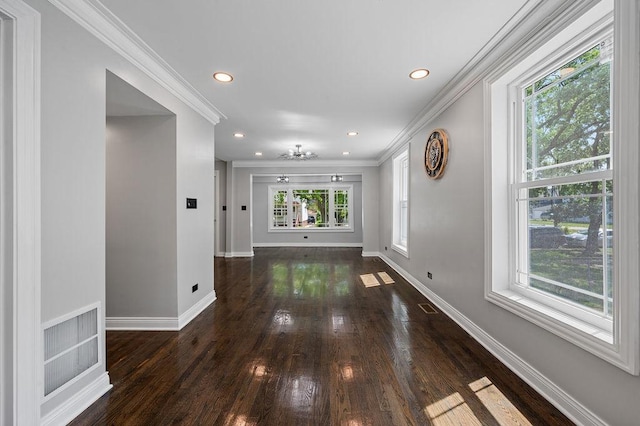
{"x":290,"y":187}
{"x":396,"y":244}
{"x":621,"y":347}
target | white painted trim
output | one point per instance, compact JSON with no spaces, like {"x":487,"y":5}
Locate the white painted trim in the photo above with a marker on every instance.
{"x":239,"y":254}
{"x":626,"y":110}
{"x":512,"y":36}
{"x":310,"y":163}
{"x":564,"y":402}
{"x":371,"y":254}
{"x":622,"y":348}
{"x":217,"y":212}
{"x":100,"y":337}
{"x":221,"y":254}
{"x":196,"y":309}
{"x":79,"y":402}
{"x":310,"y":244}
{"x":160,"y":323}
{"x":142,"y":323}
{"x":107,"y":27}
{"x":25,"y":245}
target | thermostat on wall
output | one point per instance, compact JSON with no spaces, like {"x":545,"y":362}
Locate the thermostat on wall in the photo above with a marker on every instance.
{"x":192,"y":203}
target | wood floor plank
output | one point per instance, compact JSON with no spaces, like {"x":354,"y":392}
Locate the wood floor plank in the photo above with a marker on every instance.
{"x":295,"y":338}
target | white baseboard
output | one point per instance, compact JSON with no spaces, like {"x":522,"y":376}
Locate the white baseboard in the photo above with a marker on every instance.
{"x":142,"y":323}
{"x":307,"y":244}
{"x":160,"y":323}
{"x":219,"y":254}
{"x":79,"y":402}
{"x":573,"y":409}
{"x":239,"y":254}
{"x":371,"y":254}
{"x":196,"y":309}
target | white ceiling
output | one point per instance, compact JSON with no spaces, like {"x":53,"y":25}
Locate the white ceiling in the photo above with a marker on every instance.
{"x":310,"y":71}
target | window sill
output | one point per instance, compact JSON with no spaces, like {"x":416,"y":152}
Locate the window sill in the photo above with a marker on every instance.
{"x":582,"y":334}
{"x":342,"y":229}
{"x":400,"y":249}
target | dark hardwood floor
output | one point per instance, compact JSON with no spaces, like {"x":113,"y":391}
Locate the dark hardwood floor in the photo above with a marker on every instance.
{"x":295,"y":338}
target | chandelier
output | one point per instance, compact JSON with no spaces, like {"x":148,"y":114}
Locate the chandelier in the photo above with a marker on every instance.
{"x":298,"y":154}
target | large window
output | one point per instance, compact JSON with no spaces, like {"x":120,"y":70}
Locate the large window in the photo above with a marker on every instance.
{"x":310,"y":208}
{"x":563,"y":187}
{"x":559,"y":251}
{"x":401,"y":202}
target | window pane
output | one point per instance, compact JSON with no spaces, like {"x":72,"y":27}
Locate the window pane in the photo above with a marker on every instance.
{"x":569,"y":244}
{"x":341,"y":207}
{"x":279,"y":218}
{"x":567,"y":119}
{"x":310,"y":208}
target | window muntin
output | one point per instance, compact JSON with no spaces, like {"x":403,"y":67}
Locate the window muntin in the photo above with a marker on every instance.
{"x":564,"y":191}
{"x":280,"y":209}
{"x":401,"y":202}
{"x":311,"y":207}
{"x":568,"y":117}
{"x":341,"y":207}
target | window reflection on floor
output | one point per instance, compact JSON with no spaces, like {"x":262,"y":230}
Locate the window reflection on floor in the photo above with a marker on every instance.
{"x":313,"y":280}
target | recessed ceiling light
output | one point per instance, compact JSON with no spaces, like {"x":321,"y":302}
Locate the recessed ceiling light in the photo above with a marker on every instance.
{"x":352,"y":133}
{"x":258,"y":154}
{"x":419,"y":73}
{"x":238,"y":135}
{"x":345,"y":152}
{"x":223,"y":77}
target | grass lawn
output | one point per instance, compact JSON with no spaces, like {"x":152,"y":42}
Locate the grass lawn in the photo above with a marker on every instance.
{"x":569,"y":266}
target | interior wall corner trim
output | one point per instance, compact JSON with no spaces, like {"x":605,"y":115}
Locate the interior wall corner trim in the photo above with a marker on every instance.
{"x":93,"y":16}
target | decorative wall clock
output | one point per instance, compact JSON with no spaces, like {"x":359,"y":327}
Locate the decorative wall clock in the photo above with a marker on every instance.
{"x":436,"y":153}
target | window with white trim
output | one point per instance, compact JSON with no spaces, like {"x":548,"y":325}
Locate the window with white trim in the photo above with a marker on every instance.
{"x":311,"y":208}
{"x":401,"y":202}
{"x":552,"y":234}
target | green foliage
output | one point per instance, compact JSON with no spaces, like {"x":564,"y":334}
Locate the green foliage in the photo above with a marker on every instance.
{"x":568,"y":118}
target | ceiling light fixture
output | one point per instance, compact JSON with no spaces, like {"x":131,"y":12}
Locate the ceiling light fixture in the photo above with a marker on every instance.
{"x":336,"y":178}
{"x":298,"y":154}
{"x":282,"y":179}
{"x":352,"y":133}
{"x":238,"y":135}
{"x":258,"y":154}
{"x":345,"y":152}
{"x":223,"y":77}
{"x":419,"y":73}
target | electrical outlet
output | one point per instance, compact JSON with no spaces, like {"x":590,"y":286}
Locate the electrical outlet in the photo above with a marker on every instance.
{"x":429,"y":275}
{"x":194,"y":288}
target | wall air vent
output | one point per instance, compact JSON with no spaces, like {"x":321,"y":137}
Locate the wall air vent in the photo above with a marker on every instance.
{"x":71,"y":348}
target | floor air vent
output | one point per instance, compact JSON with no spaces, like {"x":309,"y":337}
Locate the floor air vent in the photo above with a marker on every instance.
{"x":71,"y":347}
{"x":427,"y":308}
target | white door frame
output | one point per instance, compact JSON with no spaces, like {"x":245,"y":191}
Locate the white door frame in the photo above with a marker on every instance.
{"x":216,"y":218}
{"x":21,"y":234}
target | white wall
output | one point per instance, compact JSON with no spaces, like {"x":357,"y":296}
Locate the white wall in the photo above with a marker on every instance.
{"x":195,"y":171}
{"x":447,"y":239}
{"x":221,"y":215}
{"x":141,"y":268}
{"x":73,"y":175}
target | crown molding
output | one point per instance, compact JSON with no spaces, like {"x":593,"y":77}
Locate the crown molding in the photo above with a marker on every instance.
{"x":93,"y":16}
{"x":520,"y":31}
{"x":286,"y":164}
